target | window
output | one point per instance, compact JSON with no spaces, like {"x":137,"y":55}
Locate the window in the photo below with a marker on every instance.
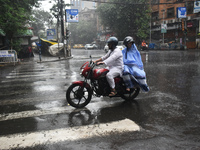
{"x":170,"y":12}
{"x":155,"y":1}
{"x":154,"y":15}
{"x":190,"y":7}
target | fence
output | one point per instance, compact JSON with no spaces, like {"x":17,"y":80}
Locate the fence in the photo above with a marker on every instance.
{"x":8,"y":56}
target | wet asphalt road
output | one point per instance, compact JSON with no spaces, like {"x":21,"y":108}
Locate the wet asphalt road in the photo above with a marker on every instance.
{"x":34,"y":113}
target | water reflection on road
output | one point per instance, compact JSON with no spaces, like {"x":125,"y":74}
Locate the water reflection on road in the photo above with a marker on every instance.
{"x":172,"y":107}
{"x":33,"y":99}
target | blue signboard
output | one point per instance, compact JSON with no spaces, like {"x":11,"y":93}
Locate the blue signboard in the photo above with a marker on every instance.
{"x":51,"y":33}
{"x":181,"y":12}
{"x":72,"y":15}
{"x":196,"y":6}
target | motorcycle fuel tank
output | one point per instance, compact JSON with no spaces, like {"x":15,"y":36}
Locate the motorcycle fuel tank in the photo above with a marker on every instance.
{"x":97,"y":73}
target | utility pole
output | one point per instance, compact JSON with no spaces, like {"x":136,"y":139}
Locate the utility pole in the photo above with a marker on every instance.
{"x":185,"y":30}
{"x":62,"y":26}
{"x":62,"y":22}
{"x":163,"y":24}
{"x":150,"y":22}
{"x":65,"y":37}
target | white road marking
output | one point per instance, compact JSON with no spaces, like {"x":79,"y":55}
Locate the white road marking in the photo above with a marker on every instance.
{"x":35,"y":113}
{"x":28,"y":100}
{"x":66,"y":134}
{"x":31,"y":75}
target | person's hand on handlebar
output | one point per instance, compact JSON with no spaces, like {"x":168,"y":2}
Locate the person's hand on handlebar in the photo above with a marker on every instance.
{"x":100,"y":63}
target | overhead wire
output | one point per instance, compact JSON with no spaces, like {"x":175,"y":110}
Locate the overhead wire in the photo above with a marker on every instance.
{"x":152,"y":3}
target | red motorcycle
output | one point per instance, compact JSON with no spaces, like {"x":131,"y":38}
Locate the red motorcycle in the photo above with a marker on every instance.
{"x":79,"y":93}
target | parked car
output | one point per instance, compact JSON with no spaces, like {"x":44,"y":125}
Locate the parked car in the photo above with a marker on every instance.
{"x":91,"y":46}
{"x":120,"y":46}
{"x":78,"y":46}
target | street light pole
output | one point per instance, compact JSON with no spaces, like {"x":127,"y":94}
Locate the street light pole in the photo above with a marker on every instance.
{"x":150,"y":22}
{"x":163,"y":22}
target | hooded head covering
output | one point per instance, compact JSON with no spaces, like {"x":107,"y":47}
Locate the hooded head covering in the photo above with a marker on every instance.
{"x":132,"y":57}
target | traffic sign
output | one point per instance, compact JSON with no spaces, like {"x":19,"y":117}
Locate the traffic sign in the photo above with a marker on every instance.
{"x":163,"y":28}
{"x":72,"y":15}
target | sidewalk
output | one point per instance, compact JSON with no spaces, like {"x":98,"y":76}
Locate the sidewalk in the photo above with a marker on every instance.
{"x":34,"y":59}
{"x":44,"y":59}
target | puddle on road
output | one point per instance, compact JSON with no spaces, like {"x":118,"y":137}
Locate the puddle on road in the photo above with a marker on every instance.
{"x":42,"y":88}
{"x":47,"y":105}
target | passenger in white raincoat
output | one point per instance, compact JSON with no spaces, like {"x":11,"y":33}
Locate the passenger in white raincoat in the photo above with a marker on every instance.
{"x":114,"y":62}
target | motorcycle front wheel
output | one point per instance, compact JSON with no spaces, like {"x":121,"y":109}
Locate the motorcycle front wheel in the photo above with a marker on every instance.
{"x":131,"y":95}
{"x":78,"y":96}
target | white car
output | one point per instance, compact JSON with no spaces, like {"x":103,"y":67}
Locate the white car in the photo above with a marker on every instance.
{"x":120,"y":46}
{"x":91,"y":46}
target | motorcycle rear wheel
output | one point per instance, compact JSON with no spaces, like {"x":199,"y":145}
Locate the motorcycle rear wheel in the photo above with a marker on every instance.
{"x":78,"y":96}
{"x":131,"y":95}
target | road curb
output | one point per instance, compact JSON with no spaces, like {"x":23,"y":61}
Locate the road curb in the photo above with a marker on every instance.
{"x":54,"y":60}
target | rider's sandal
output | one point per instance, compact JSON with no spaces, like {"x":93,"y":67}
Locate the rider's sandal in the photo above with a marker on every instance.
{"x":113,"y":93}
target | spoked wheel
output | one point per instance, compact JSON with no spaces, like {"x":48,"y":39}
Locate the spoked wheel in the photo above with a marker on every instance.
{"x":131,"y":95}
{"x":78,"y":96}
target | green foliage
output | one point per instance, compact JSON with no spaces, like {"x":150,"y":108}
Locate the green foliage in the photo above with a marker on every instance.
{"x":83,"y":32}
{"x":16,"y":43}
{"x":130,"y":18}
{"x":40,"y":18}
{"x":15,"y":16}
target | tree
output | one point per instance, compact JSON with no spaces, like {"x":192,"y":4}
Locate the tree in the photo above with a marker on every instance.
{"x":16,"y":14}
{"x":130,"y":18}
{"x":41,"y":20}
{"x":83,"y":32}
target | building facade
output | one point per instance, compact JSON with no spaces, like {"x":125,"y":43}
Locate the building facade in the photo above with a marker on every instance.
{"x":180,"y":30}
{"x":80,"y":5}
{"x":87,"y":10}
{"x":183,"y":31}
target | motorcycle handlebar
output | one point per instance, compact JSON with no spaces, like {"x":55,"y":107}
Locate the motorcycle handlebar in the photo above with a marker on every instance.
{"x":99,"y":64}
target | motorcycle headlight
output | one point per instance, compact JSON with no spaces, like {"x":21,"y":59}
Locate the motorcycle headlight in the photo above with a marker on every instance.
{"x":81,"y":71}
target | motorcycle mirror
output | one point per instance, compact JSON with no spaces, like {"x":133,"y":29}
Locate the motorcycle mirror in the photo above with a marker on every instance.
{"x":91,"y":59}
